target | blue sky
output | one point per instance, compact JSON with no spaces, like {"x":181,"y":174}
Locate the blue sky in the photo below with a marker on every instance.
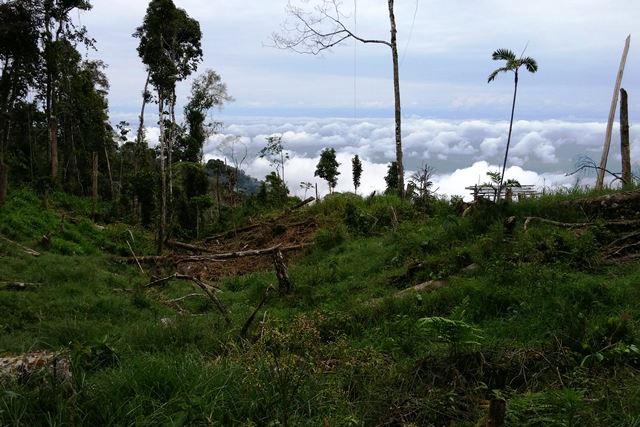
{"x":446,"y":60}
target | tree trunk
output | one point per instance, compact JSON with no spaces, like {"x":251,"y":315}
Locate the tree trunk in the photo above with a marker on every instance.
{"x":53,"y":146}
{"x":624,"y":139}
{"x":163,"y":178}
{"x":140,"y":134}
{"x":506,"y":152}
{"x":106,"y":157}
{"x":4,"y":178}
{"x":171,"y":140}
{"x":94,"y":185}
{"x":396,"y":92}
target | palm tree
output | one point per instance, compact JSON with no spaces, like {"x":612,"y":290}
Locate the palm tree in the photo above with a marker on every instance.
{"x":513,"y":64}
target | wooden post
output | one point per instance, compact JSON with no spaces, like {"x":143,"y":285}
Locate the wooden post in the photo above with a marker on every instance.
{"x":94,"y":184}
{"x":624,"y":138}
{"x":317,"y":195}
{"x":612,"y":113}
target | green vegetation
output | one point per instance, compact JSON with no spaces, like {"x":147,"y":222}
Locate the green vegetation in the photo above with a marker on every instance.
{"x":537,"y":318}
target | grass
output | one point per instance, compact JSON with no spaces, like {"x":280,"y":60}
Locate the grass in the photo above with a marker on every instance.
{"x":555,"y":328}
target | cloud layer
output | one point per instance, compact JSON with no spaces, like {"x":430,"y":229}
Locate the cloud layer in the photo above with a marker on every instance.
{"x":541,"y":152}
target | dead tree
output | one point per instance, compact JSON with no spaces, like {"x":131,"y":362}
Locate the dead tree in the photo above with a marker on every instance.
{"x":313,"y":32}
{"x":624,"y":138}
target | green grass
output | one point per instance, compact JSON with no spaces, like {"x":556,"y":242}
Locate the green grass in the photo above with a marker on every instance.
{"x":556,"y":327}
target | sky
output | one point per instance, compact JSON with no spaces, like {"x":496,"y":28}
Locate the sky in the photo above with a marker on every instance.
{"x":453,"y":120}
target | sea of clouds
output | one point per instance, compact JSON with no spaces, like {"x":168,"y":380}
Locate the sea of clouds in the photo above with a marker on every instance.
{"x":542,"y":153}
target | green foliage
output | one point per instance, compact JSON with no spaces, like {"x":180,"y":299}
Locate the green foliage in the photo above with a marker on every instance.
{"x":356,"y":167}
{"x":392,"y":179}
{"x":327,"y":168}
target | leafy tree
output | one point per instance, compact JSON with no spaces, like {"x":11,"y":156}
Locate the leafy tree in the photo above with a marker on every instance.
{"x":57,"y":33}
{"x":392,"y":178}
{"x":207,"y":92}
{"x":170,"y":48}
{"x":513,"y":65}
{"x":327,"y":168}
{"x":275,"y":153}
{"x":356,"y":167}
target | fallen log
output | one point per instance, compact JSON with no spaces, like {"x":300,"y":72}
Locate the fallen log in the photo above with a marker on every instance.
{"x":621,"y":223}
{"x":24,"y":249}
{"x":219,"y":257}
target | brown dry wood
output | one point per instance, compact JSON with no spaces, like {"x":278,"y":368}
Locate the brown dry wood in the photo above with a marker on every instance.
{"x":249,"y":321}
{"x":24,"y":249}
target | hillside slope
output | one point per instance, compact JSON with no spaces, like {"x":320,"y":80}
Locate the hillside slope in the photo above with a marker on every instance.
{"x":397,"y":317}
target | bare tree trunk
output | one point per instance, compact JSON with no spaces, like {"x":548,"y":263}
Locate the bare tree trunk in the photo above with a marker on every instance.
{"x":140,"y":134}
{"x":171,"y":140}
{"x":111,"y":189}
{"x":94,"y":185}
{"x":612,"y":113}
{"x":163,"y":178}
{"x":396,"y":92}
{"x":53,"y":146}
{"x":4,"y":179}
{"x":506,"y":152}
{"x":624,"y":138}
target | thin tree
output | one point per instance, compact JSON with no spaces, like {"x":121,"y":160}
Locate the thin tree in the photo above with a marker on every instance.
{"x":513,"y":65}
{"x":324,"y":28}
{"x":356,"y":166}
{"x":327,"y":168}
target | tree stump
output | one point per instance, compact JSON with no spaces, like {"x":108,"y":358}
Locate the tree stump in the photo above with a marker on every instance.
{"x":284,"y":283}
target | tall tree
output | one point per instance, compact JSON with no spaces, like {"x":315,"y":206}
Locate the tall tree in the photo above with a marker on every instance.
{"x":170,"y":48}
{"x":324,"y":28}
{"x":356,"y":167}
{"x":513,"y":64}
{"x":327,"y":168}
{"x":19,"y":58}
{"x":57,"y":31}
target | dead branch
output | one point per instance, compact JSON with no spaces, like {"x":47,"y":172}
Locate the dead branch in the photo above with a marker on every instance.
{"x":136,"y":258}
{"x":233,"y":232}
{"x":208,"y":289}
{"x":219,"y":257}
{"x":176,"y":300}
{"x":301,"y":204}
{"x":531,"y":219}
{"x":182,"y":245}
{"x":247,"y":324}
{"x":24,"y":249}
